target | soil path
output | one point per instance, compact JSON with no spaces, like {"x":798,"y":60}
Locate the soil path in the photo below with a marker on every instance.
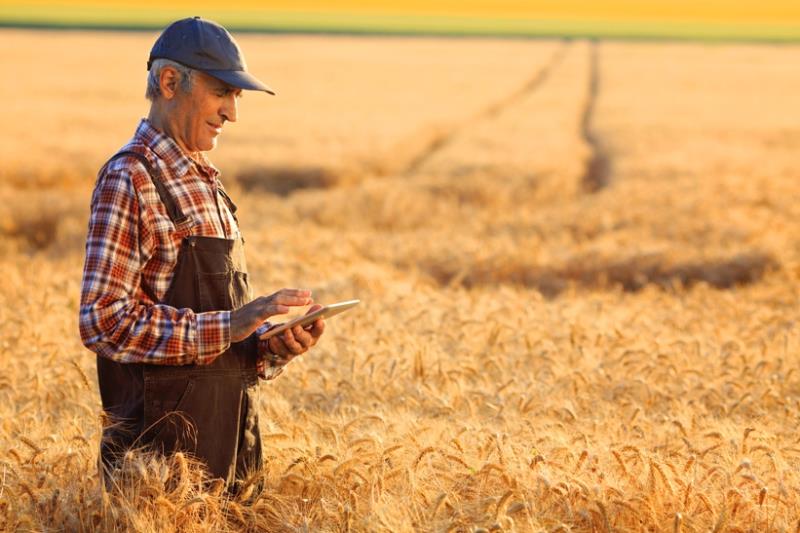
{"x":445,"y":138}
{"x":598,"y":166}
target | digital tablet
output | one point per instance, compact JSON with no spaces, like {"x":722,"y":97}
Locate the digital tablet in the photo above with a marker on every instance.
{"x":326,"y":311}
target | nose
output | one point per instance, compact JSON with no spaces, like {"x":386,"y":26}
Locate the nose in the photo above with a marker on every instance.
{"x":230,"y":110}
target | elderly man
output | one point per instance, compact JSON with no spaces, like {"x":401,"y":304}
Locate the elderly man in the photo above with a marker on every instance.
{"x":165,"y":301}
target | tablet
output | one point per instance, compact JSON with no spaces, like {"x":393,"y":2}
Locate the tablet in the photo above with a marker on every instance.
{"x":326,"y":311}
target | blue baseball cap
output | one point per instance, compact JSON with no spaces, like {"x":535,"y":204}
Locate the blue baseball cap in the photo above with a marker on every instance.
{"x":206,"y":46}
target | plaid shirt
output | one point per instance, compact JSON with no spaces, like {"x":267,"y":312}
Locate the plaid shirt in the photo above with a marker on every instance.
{"x":131,"y":252}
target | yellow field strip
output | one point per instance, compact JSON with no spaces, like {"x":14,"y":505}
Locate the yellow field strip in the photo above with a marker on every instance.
{"x":717,"y":11}
{"x":680,"y":19}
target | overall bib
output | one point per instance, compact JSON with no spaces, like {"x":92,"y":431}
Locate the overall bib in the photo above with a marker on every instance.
{"x":207,"y":411}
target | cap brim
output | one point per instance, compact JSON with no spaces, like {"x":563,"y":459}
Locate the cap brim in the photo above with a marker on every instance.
{"x":241,"y":79}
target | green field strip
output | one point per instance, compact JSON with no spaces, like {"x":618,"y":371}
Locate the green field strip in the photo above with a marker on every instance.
{"x":81,"y":17}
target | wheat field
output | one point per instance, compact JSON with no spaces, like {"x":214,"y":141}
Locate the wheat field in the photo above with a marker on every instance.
{"x":579,"y":266}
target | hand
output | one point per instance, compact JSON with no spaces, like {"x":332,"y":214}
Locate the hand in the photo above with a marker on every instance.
{"x":247,"y":318}
{"x":293,"y":342}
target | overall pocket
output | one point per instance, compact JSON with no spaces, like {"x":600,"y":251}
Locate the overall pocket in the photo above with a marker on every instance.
{"x":213,"y":291}
{"x":169,"y":424}
{"x":223,"y":291}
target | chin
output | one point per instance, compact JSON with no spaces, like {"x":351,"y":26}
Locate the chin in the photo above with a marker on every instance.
{"x":208,"y":145}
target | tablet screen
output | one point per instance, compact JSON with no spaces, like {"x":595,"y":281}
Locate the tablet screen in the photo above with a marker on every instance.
{"x":326,"y":311}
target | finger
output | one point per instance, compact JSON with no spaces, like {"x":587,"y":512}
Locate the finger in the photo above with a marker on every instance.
{"x":295,"y":295}
{"x":303,"y":337}
{"x":280,"y":302}
{"x":318,"y":328}
{"x":305,"y":293}
{"x":272,"y":309}
{"x":313,"y":308}
{"x":291,"y":343}
{"x":277,"y":346}
{"x":289,"y":299}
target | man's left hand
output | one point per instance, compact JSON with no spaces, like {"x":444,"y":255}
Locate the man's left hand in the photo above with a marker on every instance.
{"x":282,"y":348}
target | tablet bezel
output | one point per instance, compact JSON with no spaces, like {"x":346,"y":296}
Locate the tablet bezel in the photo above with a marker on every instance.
{"x":304,"y":320}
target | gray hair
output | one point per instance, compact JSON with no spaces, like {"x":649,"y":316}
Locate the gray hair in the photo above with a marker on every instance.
{"x":154,"y":89}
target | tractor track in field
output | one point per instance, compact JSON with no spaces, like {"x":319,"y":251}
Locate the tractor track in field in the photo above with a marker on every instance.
{"x":284,"y":181}
{"x":597,"y":173}
{"x":444,"y":139}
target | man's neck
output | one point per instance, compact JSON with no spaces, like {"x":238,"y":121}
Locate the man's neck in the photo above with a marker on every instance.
{"x":161,"y":122}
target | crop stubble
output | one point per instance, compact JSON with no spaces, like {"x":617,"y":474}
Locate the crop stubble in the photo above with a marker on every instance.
{"x":528,"y":357}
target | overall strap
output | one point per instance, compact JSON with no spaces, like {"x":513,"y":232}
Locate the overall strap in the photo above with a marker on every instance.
{"x":231,"y":206}
{"x":174,"y":212}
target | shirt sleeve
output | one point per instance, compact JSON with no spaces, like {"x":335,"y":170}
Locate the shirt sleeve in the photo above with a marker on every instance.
{"x":112,"y":321}
{"x":265,"y":369}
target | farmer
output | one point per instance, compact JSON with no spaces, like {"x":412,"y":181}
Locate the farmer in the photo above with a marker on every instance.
{"x":165,"y":300}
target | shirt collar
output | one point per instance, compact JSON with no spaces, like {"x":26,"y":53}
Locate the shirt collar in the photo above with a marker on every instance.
{"x":178,"y":162}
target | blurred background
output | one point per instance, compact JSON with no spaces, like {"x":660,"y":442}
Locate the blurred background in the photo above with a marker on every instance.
{"x":426,"y":110}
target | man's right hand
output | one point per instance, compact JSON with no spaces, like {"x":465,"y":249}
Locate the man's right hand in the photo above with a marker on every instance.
{"x":247,"y":318}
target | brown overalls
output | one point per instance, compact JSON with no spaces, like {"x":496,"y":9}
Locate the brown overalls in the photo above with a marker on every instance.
{"x":208,"y":411}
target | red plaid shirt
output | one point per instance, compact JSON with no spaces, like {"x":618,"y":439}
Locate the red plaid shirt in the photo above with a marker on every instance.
{"x":131,"y":252}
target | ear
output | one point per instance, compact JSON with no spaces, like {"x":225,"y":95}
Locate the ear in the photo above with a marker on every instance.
{"x":168,"y":82}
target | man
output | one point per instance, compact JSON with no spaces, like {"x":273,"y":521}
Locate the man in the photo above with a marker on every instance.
{"x":165,"y":301}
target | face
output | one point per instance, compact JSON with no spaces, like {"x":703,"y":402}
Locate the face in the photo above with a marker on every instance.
{"x":197,"y":117}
